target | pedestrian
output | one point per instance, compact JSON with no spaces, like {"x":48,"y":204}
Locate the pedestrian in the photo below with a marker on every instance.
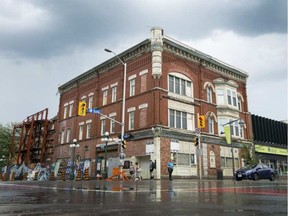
{"x":170,"y":166}
{"x":137,"y":171}
{"x":151,"y":167}
{"x":132,"y":171}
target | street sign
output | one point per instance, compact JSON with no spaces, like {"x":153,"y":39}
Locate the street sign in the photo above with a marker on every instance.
{"x":89,"y":110}
{"x":197,"y":131}
{"x":96,"y":111}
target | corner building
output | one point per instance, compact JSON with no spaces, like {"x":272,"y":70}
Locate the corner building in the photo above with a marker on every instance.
{"x":168,"y":85}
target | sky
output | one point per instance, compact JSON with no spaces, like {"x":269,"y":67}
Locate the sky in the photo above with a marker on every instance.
{"x":44,"y":44}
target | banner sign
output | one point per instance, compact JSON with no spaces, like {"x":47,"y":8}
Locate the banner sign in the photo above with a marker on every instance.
{"x":271,"y":150}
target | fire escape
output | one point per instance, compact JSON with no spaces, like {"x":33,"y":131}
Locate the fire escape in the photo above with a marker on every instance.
{"x":32,"y":139}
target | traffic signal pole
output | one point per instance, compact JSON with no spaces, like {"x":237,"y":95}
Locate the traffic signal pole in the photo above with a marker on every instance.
{"x":200,"y":153}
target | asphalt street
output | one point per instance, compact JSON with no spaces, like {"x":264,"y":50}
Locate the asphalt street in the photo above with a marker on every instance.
{"x":147,"y":197}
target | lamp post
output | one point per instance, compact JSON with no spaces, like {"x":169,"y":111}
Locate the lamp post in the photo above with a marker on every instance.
{"x":241,"y":123}
{"x":123,"y":106}
{"x":106,"y":139}
{"x":124,"y":94}
{"x":73,"y":145}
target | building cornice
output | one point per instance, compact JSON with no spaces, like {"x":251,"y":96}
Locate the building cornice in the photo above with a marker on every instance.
{"x":179,"y":49}
{"x":131,"y":53}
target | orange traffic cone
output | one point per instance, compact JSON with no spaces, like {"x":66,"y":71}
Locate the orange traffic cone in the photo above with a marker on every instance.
{"x":13,"y":176}
{"x":36,"y":176}
{"x":86,"y":174}
{"x":52,"y":176}
{"x":78,"y":177}
{"x":63,"y":175}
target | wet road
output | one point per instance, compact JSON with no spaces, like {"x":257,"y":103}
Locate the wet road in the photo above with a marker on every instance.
{"x":149,"y":197}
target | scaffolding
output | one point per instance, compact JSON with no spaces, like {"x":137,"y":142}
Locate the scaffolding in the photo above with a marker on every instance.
{"x":32,"y":139}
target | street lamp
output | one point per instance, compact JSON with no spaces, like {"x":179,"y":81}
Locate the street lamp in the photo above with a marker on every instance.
{"x":241,"y":123}
{"x":106,"y":139}
{"x":123,"y":105}
{"x":73,"y":145}
{"x":124,"y":95}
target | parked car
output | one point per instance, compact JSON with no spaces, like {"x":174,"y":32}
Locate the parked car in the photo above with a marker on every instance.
{"x":255,"y":172}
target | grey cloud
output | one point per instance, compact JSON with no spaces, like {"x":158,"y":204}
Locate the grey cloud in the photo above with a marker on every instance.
{"x":86,"y":22}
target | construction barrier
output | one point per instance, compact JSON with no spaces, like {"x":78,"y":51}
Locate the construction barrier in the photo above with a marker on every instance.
{"x":86,"y":174}
{"x":25,"y":174}
{"x":52,"y":176}
{"x":116,"y":175}
{"x":63,"y":175}
{"x":78,"y":177}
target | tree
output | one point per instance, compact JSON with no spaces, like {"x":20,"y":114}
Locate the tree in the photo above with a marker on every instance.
{"x":248,"y":154}
{"x":5,"y":140}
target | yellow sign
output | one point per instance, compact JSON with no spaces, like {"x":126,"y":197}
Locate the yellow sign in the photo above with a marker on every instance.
{"x":271,"y":150}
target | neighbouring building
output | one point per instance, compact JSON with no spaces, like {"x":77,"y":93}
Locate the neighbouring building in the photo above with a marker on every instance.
{"x":270,"y":140}
{"x":169,"y":85}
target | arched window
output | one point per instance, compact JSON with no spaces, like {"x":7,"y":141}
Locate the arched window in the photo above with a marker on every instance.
{"x":209,"y":95}
{"x":211,"y":125}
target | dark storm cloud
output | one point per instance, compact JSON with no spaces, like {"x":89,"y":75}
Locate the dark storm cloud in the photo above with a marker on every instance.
{"x":82,"y":23}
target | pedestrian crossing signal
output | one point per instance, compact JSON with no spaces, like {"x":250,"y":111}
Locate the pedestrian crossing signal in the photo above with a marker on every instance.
{"x":82,"y":108}
{"x":196,"y":141}
{"x":201,"y":121}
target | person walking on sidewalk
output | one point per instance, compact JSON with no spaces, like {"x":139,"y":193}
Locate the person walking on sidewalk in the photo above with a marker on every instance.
{"x":138,"y":172}
{"x":170,"y":166}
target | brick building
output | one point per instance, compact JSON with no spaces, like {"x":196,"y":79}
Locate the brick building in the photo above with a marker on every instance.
{"x":169,"y":85}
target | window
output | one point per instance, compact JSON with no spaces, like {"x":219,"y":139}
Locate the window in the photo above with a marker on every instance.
{"x":221,"y":122}
{"x":65,"y":111}
{"x":103,"y":126}
{"x":81,"y":132}
{"x":62,"y":136}
{"x":229,"y":97}
{"x":179,"y":86}
{"x":88,"y":131}
{"x":59,"y":137}
{"x":68,"y":134}
{"x":177,"y":119}
{"x":70,"y":109}
{"x":210,"y":125}
{"x":209,"y":95}
{"x":183,"y":159}
{"x":220,"y":96}
{"x":105,"y":97}
{"x":192,"y":159}
{"x":90,"y":101}
{"x":114,"y":94}
{"x":112,"y":125}
{"x":239,"y":104}
{"x":131,"y":120}
{"x":234,"y":98}
{"x":132,"y":87}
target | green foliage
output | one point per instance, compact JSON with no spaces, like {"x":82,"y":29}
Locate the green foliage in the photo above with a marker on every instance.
{"x":5,"y":140}
{"x":248,"y":154}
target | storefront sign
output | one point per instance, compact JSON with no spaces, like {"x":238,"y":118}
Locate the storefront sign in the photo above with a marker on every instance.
{"x":271,"y":150}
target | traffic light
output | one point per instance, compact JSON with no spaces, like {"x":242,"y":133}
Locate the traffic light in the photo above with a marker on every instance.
{"x":201,"y":121}
{"x":82,"y":108}
{"x":196,"y":141}
{"x":123,"y":144}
